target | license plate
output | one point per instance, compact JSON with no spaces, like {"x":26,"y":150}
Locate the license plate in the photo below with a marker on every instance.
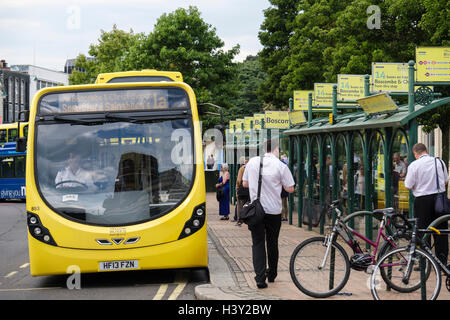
{"x":118,"y":265}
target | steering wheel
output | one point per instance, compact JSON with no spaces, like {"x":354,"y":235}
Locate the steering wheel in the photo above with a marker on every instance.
{"x":83,"y":185}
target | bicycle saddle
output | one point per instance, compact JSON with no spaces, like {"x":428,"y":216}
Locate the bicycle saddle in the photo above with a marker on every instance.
{"x":336,"y":202}
{"x":385,"y":211}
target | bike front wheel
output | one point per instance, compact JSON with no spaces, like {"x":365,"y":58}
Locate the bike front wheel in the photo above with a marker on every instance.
{"x":422,"y":283}
{"x":316,"y":281}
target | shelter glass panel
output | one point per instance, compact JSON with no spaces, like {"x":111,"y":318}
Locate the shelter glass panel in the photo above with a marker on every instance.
{"x":399,"y":169}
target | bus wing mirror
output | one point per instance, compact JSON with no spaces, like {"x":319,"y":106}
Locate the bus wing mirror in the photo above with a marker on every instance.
{"x":25,"y":117}
{"x":21,"y":144}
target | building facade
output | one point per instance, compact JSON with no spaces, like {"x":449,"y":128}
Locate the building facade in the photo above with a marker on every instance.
{"x":41,"y":77}
{"x":14,"y":93}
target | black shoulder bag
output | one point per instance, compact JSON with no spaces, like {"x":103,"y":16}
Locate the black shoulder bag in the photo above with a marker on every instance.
{"x":252,"y":212}
{"x":442,"y":203}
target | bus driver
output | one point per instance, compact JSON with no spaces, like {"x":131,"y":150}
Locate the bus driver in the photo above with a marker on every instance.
{"x":73,"y":175}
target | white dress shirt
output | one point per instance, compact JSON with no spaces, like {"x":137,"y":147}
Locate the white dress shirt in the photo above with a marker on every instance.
{"x":275,"y":174}
{"x":66,"y":174}
{"x":421,"y":176}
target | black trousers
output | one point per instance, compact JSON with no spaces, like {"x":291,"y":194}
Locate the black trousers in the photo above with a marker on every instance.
{"x":425,"y":214}
{"x":266,"y":231}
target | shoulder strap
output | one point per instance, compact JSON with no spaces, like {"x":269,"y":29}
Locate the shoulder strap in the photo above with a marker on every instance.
{"x":260,"y":175}
{"x":437,"y":177}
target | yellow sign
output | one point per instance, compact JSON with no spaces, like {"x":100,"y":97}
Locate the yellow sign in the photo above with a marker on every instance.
{"x":257,"y":117}
{"x":301,"y":99}
{"x":247,"y":123}
{"x":330,"y":118}
{"x":433,"y":64}
{"x":350,"y":87}
{"x":297,"y":117}
{"x":276,"y":120}
{"x":239,"y":123}
{"x":381,"y":102}
{"x":323,"y":94}
{"x":389,"y":77}
{"x":232,"y":124}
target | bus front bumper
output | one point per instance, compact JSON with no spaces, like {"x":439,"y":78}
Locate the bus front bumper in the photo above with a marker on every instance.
{"x":190,"y":252}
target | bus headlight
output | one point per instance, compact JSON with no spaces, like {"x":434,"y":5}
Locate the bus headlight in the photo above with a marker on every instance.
{"x":38,"y":231}
{"x":195,"y":223}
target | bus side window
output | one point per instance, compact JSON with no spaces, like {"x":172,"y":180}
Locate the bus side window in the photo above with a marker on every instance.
{"x":3,"y":136}
{"x":7,"y":168}
{"x":12,"y":135}
{"x":25,"y":131}
{"x":19,"y":163}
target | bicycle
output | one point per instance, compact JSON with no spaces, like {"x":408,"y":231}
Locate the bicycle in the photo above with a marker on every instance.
{"x":411,"y":264}
{"x":320,"y":267}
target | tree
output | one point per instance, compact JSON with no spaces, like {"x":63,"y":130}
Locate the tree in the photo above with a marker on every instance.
{"x":249,"y":78}
{"x":180,"y":41}
{"x":327,"y":38}
{"x":111,"y":54}
{"x":276,"y":31}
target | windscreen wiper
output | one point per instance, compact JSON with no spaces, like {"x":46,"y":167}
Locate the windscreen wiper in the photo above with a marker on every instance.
{"x":115,"y":116}
{"x":71,"y":119}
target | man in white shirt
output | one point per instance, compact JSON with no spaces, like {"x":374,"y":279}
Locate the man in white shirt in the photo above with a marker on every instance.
{"x":74,"y":175}
{"x":421,"y":179}
{"x":275,"y":175}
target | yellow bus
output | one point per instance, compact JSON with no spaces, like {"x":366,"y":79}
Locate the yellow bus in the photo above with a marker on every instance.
{"x":400,"y":193}
{"x":8,"y":131}
{"x":115,"y":179}
{"x":146,"y":75}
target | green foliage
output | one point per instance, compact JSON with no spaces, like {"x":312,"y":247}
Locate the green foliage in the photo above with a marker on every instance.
{"x":274,"y":57}
{"x":249,"y":78}
{"x":112,"y":53}
{"x":181,"y":41}
{"x":310,"y":41}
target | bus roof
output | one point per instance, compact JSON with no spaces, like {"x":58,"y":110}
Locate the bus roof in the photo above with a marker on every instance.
{"x":146,"y":75}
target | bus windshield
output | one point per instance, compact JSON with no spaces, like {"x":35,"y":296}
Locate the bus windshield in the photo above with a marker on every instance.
{"x":114,"y":170}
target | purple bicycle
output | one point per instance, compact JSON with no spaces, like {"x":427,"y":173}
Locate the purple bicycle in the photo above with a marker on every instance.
{"x":320,"y":266}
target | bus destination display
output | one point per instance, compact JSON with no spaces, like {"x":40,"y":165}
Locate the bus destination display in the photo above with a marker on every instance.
{"x":112,"y":100}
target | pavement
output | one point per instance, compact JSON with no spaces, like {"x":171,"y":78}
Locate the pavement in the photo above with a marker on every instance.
{"x":231,"y":268}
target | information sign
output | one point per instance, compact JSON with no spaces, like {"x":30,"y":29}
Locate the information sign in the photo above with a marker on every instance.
{"x":350,"y":87}
{"x":276,"y":120}
{"x":433,"y":64}
{"x":297,"y":117}
{"x":377,"y":103}
{"x":301,"y":99}
{"x":323,"y":94}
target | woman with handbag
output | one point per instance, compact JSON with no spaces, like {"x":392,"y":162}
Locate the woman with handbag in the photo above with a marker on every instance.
{"x":242,"y":192}
{"x":224,"y":185}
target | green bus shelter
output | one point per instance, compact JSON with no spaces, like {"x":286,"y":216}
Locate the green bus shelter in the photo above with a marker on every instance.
{"x":359,"y":157}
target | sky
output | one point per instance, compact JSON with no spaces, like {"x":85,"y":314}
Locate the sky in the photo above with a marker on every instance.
{"x":46,"y":33}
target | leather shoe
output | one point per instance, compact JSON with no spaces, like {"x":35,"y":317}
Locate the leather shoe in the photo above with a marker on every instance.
{"x":270,"y":278}
{"x":261,"y":285}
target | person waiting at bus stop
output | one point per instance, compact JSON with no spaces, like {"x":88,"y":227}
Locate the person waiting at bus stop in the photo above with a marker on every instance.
{"x":224,"y":202}
{"x":242,"y":193}
{"x":421,"y":179}
{"x":73,"y":175}
{"x":275,"y":175}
